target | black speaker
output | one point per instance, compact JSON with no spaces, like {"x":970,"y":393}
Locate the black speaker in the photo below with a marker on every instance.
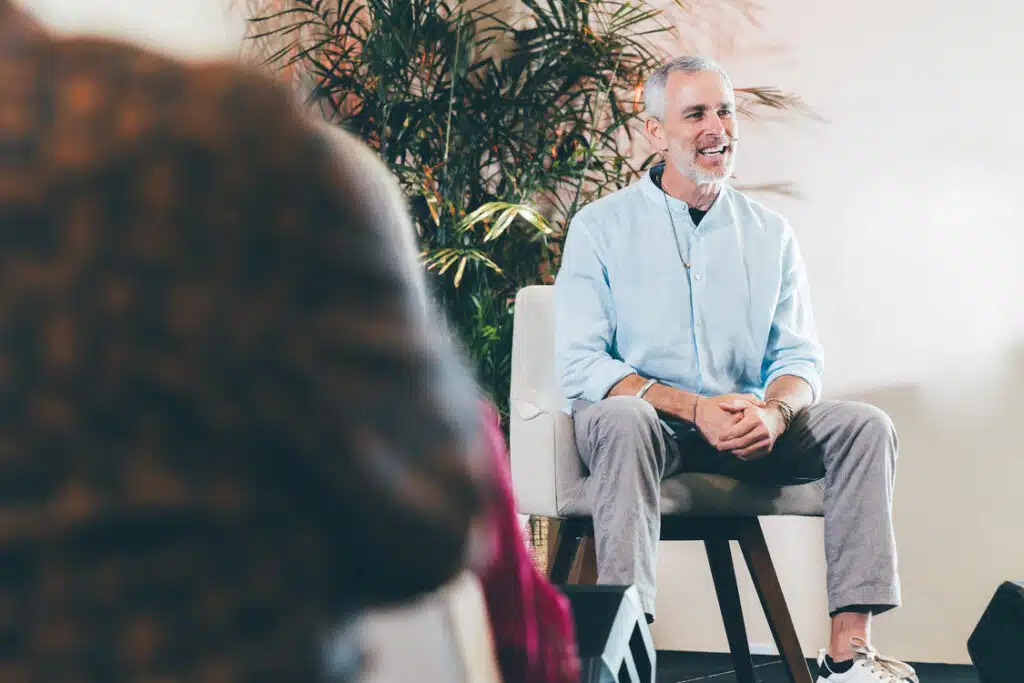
{"x":614,"y":643}
{"x":998,"y":639}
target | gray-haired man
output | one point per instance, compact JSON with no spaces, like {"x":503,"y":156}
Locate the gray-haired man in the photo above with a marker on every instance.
{"x":686,"y":342}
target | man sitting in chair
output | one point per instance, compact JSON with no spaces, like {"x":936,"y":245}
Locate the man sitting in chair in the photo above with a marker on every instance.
{"x":686,"y":343}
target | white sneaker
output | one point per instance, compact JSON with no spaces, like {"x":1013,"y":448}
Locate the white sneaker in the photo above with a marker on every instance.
{"x":868,"y":667}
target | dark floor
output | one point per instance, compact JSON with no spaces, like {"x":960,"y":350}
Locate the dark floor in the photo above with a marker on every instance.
{"x":675,"y":667}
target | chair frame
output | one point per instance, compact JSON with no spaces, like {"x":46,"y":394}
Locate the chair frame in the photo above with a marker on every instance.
{"x":715,"y":532}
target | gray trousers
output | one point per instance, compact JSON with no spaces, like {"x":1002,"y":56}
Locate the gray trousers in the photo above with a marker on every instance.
{"x":852,"y":446}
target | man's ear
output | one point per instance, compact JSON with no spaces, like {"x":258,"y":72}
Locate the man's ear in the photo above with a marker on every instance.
{"x":656,"y":134}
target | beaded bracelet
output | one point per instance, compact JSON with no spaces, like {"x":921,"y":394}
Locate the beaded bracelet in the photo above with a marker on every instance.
{"x":784,"y":408}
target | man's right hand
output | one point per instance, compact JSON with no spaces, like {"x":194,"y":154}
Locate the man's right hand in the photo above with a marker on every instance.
{"x":713,"y":421}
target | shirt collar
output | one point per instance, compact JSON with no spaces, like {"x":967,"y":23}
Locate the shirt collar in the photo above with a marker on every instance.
{"x":651,"y":190}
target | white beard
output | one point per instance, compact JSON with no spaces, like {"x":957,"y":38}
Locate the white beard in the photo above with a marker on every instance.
{"x":685,"y":161}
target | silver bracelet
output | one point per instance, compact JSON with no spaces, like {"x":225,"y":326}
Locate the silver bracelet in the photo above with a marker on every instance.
{"x":647,"y":385}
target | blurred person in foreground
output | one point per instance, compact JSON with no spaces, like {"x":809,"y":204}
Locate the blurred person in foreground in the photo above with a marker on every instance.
{"x":227,"y":421}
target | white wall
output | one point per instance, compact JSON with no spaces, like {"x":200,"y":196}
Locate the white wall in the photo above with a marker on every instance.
{"x":186,"y":28}
{"x":912,"y":224}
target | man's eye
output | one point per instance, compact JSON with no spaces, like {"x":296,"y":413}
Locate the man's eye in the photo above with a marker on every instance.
{"x":725,"y":112}
{"x":695,"y":115}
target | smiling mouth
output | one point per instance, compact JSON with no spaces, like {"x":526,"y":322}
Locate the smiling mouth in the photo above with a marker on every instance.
{"x":714,"y":152}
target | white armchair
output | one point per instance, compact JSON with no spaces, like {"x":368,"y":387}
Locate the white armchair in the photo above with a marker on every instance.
{"x":714,"y":509}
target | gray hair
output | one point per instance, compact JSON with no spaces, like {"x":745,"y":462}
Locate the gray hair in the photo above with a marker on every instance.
{"x":654,"y":89}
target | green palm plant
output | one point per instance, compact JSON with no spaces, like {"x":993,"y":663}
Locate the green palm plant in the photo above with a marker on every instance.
{"x":499,"y":127}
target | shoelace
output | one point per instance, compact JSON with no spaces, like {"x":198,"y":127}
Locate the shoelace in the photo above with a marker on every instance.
{"x":886,"y":668}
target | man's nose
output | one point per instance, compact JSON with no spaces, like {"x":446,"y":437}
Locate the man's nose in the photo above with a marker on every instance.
{"x":713,"y":125}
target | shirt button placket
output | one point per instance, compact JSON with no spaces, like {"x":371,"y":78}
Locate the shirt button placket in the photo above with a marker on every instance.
{"x":698,"y":325}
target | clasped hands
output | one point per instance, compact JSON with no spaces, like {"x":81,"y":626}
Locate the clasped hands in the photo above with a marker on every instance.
{"x":741,"y":424}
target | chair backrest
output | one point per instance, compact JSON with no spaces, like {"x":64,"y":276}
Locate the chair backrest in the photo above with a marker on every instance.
{"x":545,"y":463}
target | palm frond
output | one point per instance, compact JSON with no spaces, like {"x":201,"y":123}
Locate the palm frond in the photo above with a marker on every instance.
{"x":751,"y":99}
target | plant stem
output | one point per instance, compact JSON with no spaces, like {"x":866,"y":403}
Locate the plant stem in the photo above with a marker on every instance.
{"x":451,"y":91}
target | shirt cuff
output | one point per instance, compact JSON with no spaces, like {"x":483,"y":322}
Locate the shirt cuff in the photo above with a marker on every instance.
{"x":805,"y":371}
{"x":605,"y":376}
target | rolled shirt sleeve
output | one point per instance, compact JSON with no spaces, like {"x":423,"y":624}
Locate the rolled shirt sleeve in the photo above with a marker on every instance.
{"x":585,"y":321}
{"x":793,"y":344}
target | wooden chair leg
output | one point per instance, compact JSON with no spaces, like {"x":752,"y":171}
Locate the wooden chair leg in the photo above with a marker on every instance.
{"x":724,"y":574}
{"x":762,"y":571}
{"x":554,"y":526}
{"x":567,"y":543}
{"x":586,"y":566}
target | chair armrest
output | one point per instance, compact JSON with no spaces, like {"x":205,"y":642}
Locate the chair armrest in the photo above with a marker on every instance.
{"x":545,"y":464}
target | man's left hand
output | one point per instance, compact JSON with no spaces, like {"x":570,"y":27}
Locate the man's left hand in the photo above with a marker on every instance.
{"x":753,"y":436}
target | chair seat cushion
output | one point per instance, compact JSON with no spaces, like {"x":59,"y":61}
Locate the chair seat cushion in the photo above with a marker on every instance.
{"x":715,"y":495}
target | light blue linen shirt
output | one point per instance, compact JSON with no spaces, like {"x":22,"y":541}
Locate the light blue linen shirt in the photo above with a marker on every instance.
{"x":733,"y":322}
